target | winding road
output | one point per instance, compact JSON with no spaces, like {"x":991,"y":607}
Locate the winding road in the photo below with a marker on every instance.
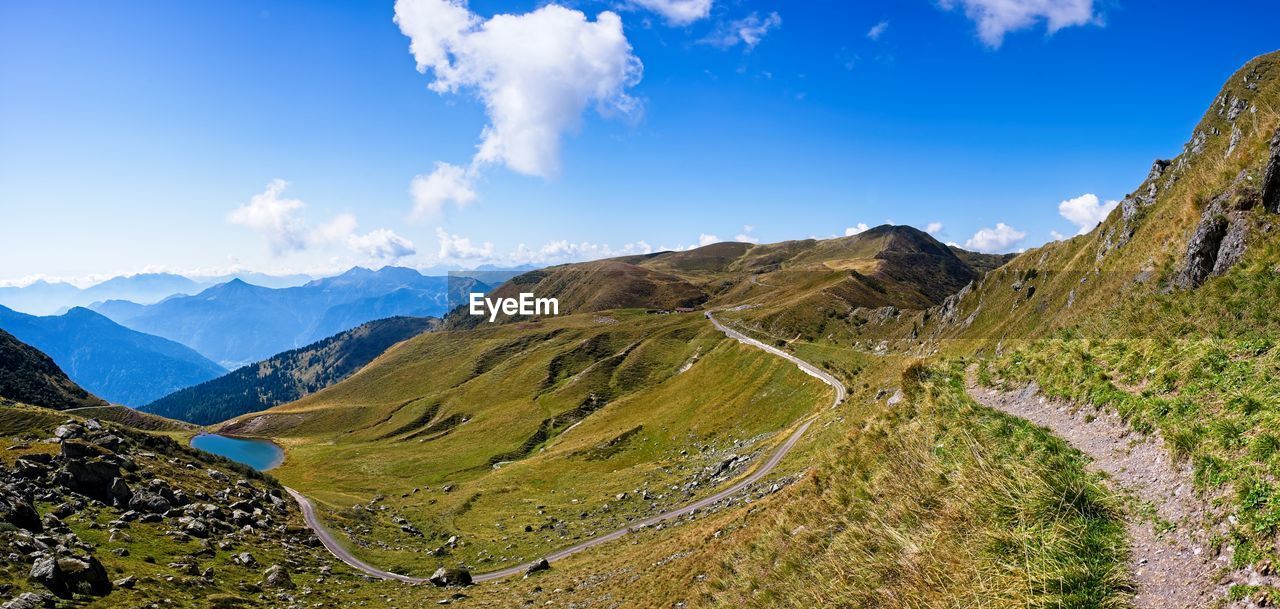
{"x":341,"y":553}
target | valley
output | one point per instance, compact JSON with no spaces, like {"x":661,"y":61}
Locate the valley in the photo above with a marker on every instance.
{"x":879,"y":419}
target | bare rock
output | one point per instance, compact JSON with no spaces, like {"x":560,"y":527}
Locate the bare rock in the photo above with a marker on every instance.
{"x":451,"y":577}
{"x":66,"y":576}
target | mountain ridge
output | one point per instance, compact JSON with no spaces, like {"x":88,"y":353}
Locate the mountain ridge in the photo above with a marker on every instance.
{"x":29,"y":376}
{"x":114,"y":362}
{"x":288,"y":376}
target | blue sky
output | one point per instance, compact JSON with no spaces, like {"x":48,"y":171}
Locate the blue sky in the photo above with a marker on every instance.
{"x":160,"y":135}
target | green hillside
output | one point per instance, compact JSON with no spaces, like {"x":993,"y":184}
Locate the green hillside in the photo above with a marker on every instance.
{"x":537,"y":427}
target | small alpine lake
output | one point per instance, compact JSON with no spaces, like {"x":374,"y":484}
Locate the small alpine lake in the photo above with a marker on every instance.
{"x":261,"y":455}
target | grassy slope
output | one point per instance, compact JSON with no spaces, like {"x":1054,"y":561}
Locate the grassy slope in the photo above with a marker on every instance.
{"x":527,"y":394}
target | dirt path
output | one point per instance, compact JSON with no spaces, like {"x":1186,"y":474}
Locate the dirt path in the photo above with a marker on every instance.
{"x":1174,"y":568}
{"x":341,"y":553}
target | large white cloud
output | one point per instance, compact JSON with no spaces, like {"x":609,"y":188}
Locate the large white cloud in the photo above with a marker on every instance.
{"x":995,"y":18}
{"x":280,"y":220}
{"x":1086,"y":211}
{"x":535,"y":73}
{"x":998,"y":239}
{"x":677,"y":12}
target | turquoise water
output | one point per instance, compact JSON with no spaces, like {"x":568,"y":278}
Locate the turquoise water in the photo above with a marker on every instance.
{"x":258,"y":454}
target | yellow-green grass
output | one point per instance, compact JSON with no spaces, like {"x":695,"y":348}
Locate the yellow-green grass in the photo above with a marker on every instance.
{"x":936,"y":502}
{"x":673,"y":397}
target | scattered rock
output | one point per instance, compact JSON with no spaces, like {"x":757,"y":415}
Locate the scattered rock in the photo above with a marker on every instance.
{"x":276,"y":577}
{"x":451,"y":577}
{"x":66,"y":576}
{"x":540,"y":565}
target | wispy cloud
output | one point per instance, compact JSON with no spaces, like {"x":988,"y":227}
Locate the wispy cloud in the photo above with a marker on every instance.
{"x":747,"y":31}
{"x":279,"y":220}
{"x":995,"y":18}
{"x":877,"y":30}
{"x":677,"y":12}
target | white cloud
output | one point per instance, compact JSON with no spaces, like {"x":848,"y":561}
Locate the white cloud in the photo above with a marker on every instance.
{"x":280,"y":221}
{"x":933,"y":228}
{"x":705,"y":239}
{"x":448,"y":183}
{"x":748,"y":31}
{"x":853,"y":230}
{"x":746,"y":235}
{"x":877,"y":30}
{"x":381,"y":244}
{"x":677,"y":12}
{"x":335,"y":231}
{"x":535,"y":73}
{"x":462,"y":250}
{"x":273,"y":216}
{"x":1057,"y":236}
{"x":459,"y":248}
{"x":995,"y":18}
{"x":1000,"y":238}
{"x":1086,"y":211}
{"x":558,"y":252}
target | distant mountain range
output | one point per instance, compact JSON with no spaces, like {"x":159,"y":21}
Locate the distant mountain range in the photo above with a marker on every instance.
{"x":48,"y":298}
{"x":235,"y":323}
{"x":118,"y":364}
{"x":31,"y":377}
{"x":290,"y":375}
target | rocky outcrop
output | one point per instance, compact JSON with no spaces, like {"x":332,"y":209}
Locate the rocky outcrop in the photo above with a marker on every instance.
{"x":67,"y":576}
{"x":1220,"y":238}
{"x":1271,"y":177}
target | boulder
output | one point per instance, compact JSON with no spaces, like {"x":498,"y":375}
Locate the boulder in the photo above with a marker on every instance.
{"x":276,"y":577}
{"x":67,"y":576}
{"x":120,"y":492}
{"x":28,"y":600}
{"x":451,"y":577}
{"x":90,"y":477}
{"x":539,"y":565}
{"x":149,"y":502}
{"x":72,"y":450}
{"x":18,"y":512}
